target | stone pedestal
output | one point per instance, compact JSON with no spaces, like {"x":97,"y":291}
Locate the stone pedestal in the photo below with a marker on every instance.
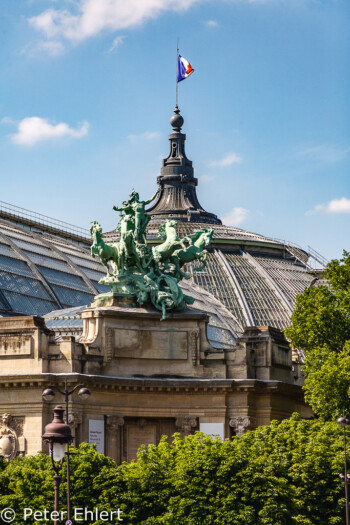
{"x":129,"y":342}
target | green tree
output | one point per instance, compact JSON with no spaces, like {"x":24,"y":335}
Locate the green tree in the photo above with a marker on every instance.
{"x":282,"y":474}
{"x":321,"y":327}
{"x":28,"y":482}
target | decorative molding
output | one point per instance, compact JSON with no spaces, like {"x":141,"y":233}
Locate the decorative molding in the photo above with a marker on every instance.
{"x":109,"y":344}
{"x":20,"y":344}
{"x":194,"y":346}
{"x":188,"y":386}
{"x":241,"y":423}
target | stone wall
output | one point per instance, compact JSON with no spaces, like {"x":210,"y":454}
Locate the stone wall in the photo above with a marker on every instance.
{"x":146,"y":378}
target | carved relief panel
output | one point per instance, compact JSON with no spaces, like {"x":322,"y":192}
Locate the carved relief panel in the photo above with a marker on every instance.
{"x":11,"y":436}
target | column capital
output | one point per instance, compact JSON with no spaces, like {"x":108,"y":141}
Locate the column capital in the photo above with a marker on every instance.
{"x":114,"y":422}
{"x":186,"y":424}
{"x":241,"y":423}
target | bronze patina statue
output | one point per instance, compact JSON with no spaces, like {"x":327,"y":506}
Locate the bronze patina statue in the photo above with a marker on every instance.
{"x":147,"y":274}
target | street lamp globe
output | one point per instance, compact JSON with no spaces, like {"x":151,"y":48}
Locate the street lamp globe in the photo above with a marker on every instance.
{"x":48,"y":394}
{"x":84,"y":393}
{"x":343,"y":422}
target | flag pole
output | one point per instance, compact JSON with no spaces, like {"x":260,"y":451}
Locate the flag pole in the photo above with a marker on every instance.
{"x":177,"y":70}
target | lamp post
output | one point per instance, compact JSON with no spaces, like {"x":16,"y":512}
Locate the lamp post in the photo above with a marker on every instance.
{"x":48,"y":395}
{"x":58,"y":435}
{"x":344,"y":422}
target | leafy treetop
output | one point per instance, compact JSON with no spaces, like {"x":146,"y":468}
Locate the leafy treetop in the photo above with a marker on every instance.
{"x":321,"y":327}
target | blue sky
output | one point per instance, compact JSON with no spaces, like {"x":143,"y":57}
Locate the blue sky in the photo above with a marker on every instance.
{"x":88,"y":87}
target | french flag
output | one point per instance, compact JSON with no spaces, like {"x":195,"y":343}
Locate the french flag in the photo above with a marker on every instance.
{"x":184,"y":68}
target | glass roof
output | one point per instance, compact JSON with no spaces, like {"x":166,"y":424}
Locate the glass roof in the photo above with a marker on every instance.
{"x":40,"y":273}
{"x":36,"y":277}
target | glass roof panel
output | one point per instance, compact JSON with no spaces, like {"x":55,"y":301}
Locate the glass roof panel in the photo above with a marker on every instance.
{"x":36,"y":248}
{"x":28,"y":305}
{"x":3,"y":305}
{"x":14,"y":266}
{"x":63,"y":279}
{"x":219,"y":337}
{"x":214,"y":279}
{"x":6,"y":250}
{"x":72,"y":297}
{"x":48,"y":262}
{"x":87,"y":263}
{"x":91,"y":274}
{"x":15,"y":234}
{"x":102,"y":288}
{"x":291,"y":278}
{"x":68,"y":248}
{"x":264,"y":303}
{"x":23,"y":285}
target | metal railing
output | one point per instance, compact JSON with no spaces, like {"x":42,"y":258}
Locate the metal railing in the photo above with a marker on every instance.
{"x":317,"y":256}
{"x":306,"y":257}
{"x":9,"y":210}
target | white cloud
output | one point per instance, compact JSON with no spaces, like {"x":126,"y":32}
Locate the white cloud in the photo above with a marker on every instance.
{"x":147,"y":135}
{"x":35,"y":129}
{"x":116,"y":43}
{"x":325,"y":153}
{"x":211,"y":23}
{"x":87,"y":18}
{"x":51,"y":47}
{"x":94,"y":16}
{"x":341,"y":205}
{"x":228,"y":160}
{"x":235,"y":217}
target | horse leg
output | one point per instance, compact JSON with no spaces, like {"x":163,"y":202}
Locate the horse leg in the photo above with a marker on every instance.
{"x":105,"y":263}
{"x":203,"y":258}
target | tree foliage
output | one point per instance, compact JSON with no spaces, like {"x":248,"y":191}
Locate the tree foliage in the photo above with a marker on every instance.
{"x":282,"y":474}
{"x":321,"y":327}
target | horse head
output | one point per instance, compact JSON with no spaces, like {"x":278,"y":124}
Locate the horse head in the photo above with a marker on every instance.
{"x":95,"y":228}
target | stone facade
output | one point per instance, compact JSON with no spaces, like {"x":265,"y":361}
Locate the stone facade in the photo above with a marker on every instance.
{"x":147,"y":378}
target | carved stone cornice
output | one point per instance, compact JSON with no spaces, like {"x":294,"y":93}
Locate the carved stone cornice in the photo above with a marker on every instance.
{"x":188,"y":386}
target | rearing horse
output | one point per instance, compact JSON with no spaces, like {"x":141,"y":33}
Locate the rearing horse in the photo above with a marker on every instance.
{"x":171,"y":242}
{"x":100,"y":249}
{"x":195,"y":251}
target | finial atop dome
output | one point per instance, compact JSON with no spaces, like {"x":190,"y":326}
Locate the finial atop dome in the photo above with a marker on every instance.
{"x":177,"y":198}
{"x":177,"y":120}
